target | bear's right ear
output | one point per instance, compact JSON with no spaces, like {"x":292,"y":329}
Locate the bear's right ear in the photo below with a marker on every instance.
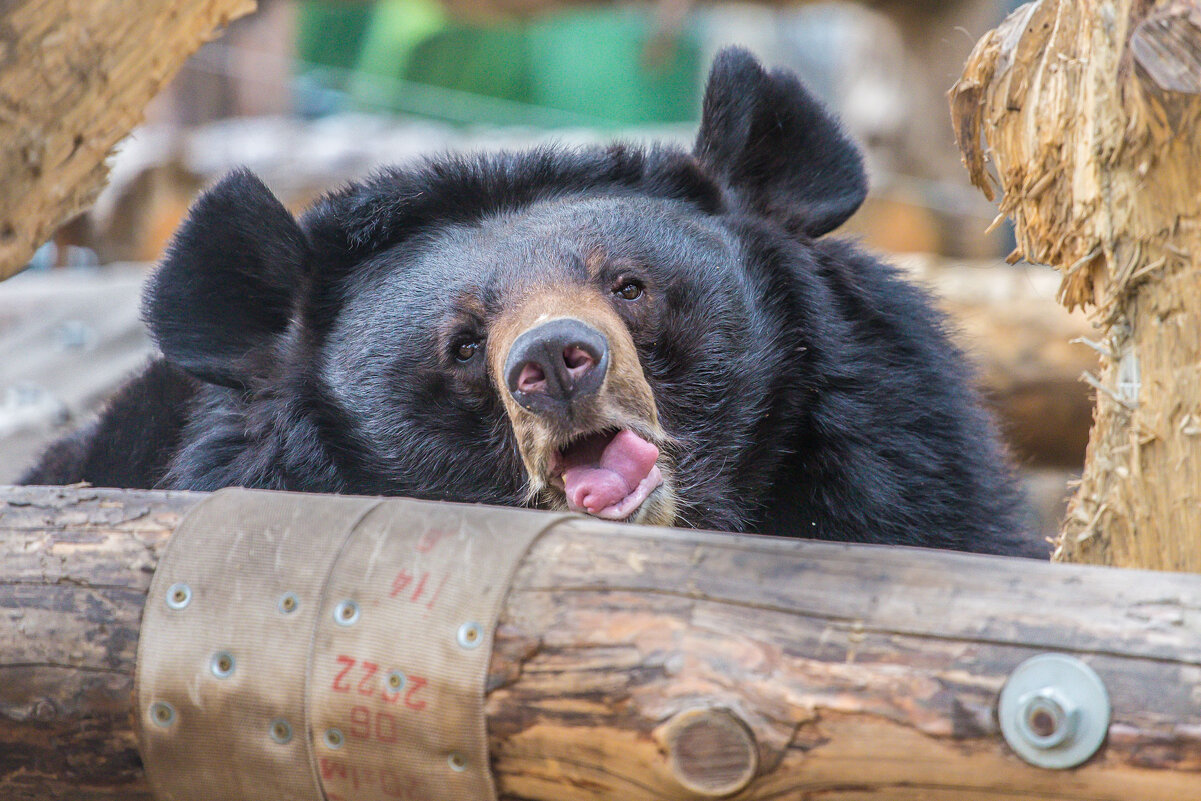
{"x":774,"y":145}
{"x":228,"y":283}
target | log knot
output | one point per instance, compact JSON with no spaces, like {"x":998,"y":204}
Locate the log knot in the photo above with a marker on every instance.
{"x":711,"y":752}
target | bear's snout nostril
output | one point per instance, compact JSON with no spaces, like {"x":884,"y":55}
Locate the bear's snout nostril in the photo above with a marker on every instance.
{"x":556,"y":363}
{"x":578,"y":360}
{"x":532,"y":379}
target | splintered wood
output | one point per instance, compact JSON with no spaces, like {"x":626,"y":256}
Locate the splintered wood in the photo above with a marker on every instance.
{"x":75,"y":76}
{"x":1089,"y":113}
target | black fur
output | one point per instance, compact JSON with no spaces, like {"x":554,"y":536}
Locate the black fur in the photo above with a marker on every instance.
{"x":132,"y":443}
{"x":810,"y":391}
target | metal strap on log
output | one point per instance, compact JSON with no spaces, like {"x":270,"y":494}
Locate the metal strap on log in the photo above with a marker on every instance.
{"x":627,"y":663}
{"x":316,"y":647}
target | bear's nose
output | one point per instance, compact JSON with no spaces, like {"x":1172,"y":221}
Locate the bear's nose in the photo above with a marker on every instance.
{"x":555,"y":363}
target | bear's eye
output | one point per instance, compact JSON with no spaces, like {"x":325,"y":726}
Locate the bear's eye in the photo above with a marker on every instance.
{"x":629,"y":290}
{"x":464,"y":351}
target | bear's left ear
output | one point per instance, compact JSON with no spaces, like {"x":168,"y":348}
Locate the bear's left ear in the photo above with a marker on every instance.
{"x":776,"y":147}
{"x":229,"y":282}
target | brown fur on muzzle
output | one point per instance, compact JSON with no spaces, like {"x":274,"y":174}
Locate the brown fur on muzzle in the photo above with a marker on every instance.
{"x":623,"y":401}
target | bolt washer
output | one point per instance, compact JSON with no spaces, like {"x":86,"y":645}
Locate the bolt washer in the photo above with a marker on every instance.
{"x":1076,"y":686}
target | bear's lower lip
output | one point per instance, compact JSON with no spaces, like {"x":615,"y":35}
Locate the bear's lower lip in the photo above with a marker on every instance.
{"x":608,"y":474}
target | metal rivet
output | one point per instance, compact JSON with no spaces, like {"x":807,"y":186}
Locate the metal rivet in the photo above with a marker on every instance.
{"x":470,"y":635}
{"x":346,"y":613}
{"x":333,"y":739}
{"x":281,"y":731}
{"x":457,"y":762}
{"x":179,"y":595}
{"x":222,"y":664}
{"x":289,"y":602}
{"x":162,"y":713}
{"x":395,"y":681}
{"x":1054,"y":711}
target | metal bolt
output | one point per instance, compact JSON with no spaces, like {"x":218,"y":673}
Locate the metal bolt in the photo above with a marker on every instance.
{"x":162,"y":713}
{"x":346,"y":613}
{"x":179,"y":596}
{"x":289,"y":602}
{"x":1046,"y":717}
{"x":470,"y":635}
{"x":1054,"y":711}
{"x":281,"y":731}
{"x":222,"y":664}
{"x":1044,"y":722}
{"x":457,"y":762}
{"x":333,"y":739}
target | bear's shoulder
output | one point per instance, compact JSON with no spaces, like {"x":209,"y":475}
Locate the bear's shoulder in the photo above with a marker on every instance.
{"x":130,"y":444}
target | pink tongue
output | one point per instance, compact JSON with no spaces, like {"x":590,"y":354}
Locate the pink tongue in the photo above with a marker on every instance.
{"x":625,"y":462}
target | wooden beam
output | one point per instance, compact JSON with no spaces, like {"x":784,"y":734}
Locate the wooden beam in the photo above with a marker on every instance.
{"x":636,"y":663}
{"x":1089,"y":114}
{"x":75,"y":76}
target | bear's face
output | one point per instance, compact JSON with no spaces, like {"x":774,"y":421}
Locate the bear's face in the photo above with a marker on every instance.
{"x":519,"y":359}
{"x":558,"y":328}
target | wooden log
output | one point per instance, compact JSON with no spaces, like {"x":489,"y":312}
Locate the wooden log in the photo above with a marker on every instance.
{"x":1090,"y":113}
{"x":77,"y":565}
{"x":75,"y":76}
{"x":636,"y":663}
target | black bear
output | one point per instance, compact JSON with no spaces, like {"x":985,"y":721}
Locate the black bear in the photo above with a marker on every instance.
{"x":642,"y":334}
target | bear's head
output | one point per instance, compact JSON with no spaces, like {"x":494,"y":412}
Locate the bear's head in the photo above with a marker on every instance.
{"x":614,"y":330}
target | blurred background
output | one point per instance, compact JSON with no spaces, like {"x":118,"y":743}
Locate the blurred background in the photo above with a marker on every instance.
{"x":312,"y":93}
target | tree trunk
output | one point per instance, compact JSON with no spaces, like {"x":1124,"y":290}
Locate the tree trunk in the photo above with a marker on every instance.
{"x":74,"y":78}
{"x":625,"y":655}
{"x":1091,"y":112}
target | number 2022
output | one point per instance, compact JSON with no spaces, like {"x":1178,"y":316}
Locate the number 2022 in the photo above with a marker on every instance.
{"x":367,"y":680}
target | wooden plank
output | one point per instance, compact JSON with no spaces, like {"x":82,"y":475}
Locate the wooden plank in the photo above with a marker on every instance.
{"x":75,"y":76}
{"x":850,"y":672}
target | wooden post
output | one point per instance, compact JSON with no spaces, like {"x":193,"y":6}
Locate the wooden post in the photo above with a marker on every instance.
{"x":74,"y":78}
{"x":635,"y":663}
{"x":1090,"y":112}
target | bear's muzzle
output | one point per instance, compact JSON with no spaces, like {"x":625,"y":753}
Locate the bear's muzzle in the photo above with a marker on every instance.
{"x":585,"y":419}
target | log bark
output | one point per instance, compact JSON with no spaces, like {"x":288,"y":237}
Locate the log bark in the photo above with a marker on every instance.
{"x":1090,"y":113}
{"x":635,"y":663}
{"x":75,"y":76}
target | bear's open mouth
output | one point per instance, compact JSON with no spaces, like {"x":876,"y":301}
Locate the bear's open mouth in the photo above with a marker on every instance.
{"x":608,"y":474}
